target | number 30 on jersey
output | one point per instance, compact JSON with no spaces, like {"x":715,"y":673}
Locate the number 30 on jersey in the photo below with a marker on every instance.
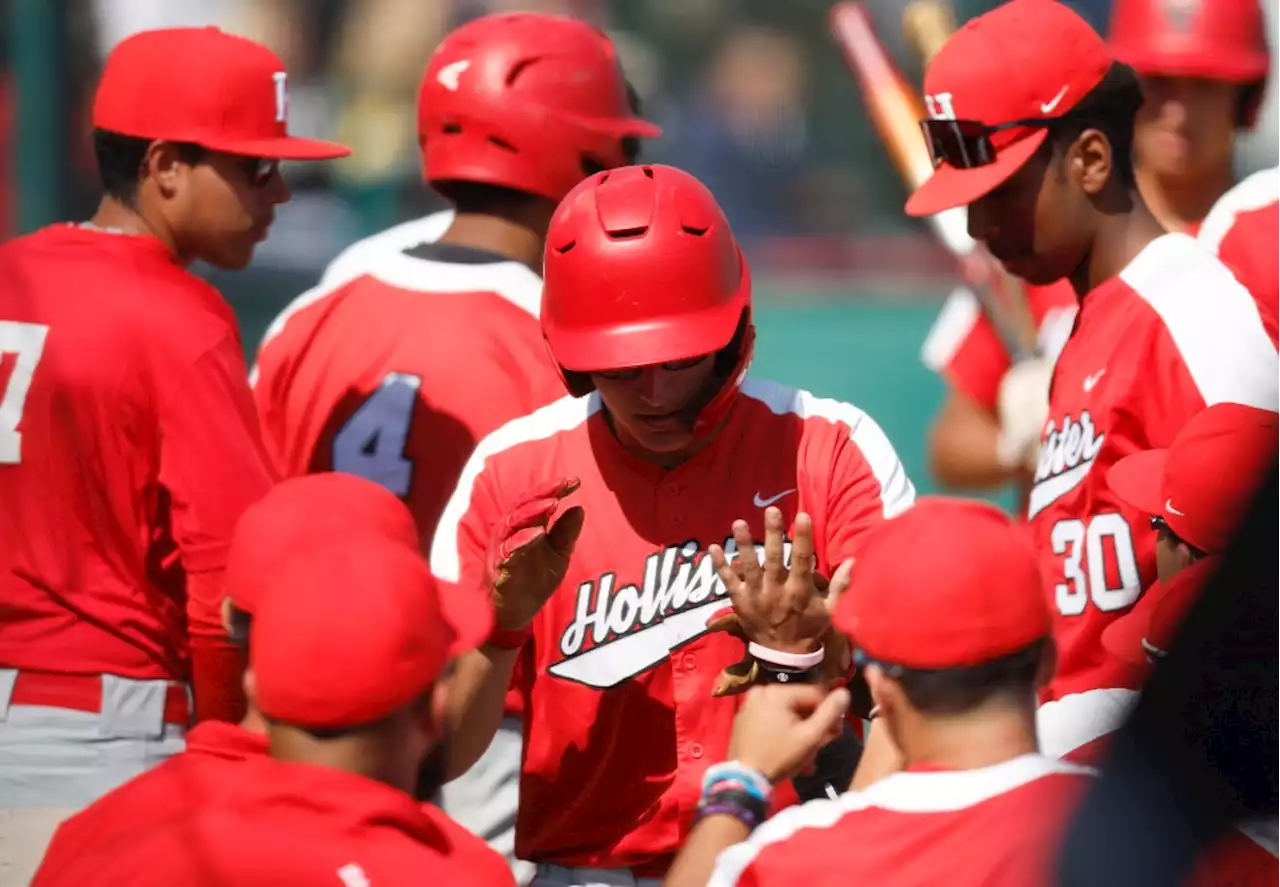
{"x":1083,"y":546}
{"x":371,"y":443}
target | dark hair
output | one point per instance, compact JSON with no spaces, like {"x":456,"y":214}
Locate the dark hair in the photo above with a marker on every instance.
{"x":120,"y":159}
{"x":1110,"y":107}
{"x":1247,"y":103}
{"x":951,"y":691}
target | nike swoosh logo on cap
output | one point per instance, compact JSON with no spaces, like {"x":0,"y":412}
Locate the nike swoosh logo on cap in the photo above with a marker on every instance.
{"x":1047,"y":107}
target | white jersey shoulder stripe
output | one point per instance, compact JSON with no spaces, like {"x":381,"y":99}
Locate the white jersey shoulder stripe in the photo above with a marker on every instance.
{"x":1066,"y":724}
{"x":1258,"y":190}
{"x":959,"y":315}
{"x":896,"y":490}
{"x":925,"y":792}
{"x":362,"y":256}
{"x":511,"y":281}
{"x":563,"y":415}
{"x":1212,"y":319}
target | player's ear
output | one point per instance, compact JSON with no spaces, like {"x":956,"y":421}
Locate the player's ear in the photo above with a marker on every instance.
{"x":440,"y":700}
{"x":1090,"y":161}
{"x":249,"y":682}
{"x":164,"y":165}
{"x":880,"y":688}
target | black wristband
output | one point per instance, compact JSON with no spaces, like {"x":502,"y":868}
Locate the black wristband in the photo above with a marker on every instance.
{"x":741,"y":805}
{"x":768,"y":673}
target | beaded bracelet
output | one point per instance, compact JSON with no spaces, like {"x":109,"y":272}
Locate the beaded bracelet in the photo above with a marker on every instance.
{"x":742,"y":806}
{"x":735,"y":775}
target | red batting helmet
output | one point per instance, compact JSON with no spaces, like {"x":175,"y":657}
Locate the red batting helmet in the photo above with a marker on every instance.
{"x":525,"y":101}
{"x":641,"y":268}
{"x":1210,"y":39}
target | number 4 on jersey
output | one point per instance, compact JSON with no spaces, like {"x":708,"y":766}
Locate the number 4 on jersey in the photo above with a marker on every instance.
{"x":21,"y":347}
{"x":371,"y":443}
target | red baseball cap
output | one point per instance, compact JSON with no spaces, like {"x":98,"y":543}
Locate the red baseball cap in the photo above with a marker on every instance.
{"x":1150,"y":627}
{"x":1203,"y":484}
{"x":204,"y":86}
{"x":1024,"y":60}
{"x":315,"y":510}
{"x":948,"y":583}
{"x":351,"y":633}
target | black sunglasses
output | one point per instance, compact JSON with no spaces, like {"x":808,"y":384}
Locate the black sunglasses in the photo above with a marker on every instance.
{"x":1160,"y":525}
{"x":259,"y":169}
{"x":966,"y":144}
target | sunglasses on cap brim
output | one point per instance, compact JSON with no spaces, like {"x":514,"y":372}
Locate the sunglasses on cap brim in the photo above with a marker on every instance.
{"x":966,"y":144}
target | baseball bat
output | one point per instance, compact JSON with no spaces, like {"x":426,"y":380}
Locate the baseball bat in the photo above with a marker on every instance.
{"x":896,"y":109}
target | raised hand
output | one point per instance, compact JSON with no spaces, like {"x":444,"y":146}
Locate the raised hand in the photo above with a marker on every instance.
{"x":777,"y":607}
{"x":528,"y":555}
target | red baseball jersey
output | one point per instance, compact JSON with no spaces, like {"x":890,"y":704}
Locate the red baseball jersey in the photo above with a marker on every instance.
{"x":993,"y":827}
{"x":964,"y":347}
{"x":1243,"y":229}
{"x":396,"y":374}
{"x":200,"y":776}
{"x":1244,"y":857}
{"x":619,"y":720}
{"x":1173,"y":333}
{"x":282,"y":823}
{"x":129,"y":447}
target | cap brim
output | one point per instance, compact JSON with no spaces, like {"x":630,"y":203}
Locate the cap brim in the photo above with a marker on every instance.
{"x":949,"y":187}
{"x":284,"y":148}
{"x":1138,"y":479}
{"x":470,"y":616}
{"x":640,"y":128}
{"x":617,"y":127}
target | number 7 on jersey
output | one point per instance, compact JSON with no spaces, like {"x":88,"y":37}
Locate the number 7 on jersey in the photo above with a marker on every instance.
{"x":21,"y":347}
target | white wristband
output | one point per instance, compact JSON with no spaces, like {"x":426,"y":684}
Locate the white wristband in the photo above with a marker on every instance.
{"x":786,"y":660}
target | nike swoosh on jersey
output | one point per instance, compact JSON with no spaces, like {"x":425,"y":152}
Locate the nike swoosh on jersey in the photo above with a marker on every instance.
{"x":765,"y":503}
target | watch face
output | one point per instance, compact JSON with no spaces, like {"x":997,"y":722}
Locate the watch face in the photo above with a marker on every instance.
{"x":771,"y":674}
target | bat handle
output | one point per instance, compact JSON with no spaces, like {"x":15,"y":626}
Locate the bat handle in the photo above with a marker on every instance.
{"x":928,"y":24}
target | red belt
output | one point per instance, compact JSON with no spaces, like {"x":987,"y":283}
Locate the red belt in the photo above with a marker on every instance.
{"x":84,"y":693}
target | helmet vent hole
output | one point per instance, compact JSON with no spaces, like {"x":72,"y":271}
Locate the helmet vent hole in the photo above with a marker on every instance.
{"x":628,"y":233}
{"x":647,"y":170}
{"x":516,"y":71}
{"x":503,"y":144}
{"x":451,"y":129}
{"x":695,"y":230}
{"x":566,"y":247}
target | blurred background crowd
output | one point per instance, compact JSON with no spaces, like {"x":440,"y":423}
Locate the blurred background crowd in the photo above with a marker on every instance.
{"x":753,"y":97}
